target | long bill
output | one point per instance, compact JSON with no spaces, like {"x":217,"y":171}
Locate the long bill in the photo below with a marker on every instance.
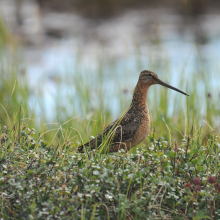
{"x":171,"y":87}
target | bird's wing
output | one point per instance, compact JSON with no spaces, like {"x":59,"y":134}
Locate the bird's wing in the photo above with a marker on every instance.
{"x":121,"y":130}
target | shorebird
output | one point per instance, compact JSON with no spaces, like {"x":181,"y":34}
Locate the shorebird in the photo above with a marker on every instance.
{"x":132,"y":128}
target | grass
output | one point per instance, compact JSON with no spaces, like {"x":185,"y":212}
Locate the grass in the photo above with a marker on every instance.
{"x":162,"y":180}
{"x":90,"y":93}
{"x":42,"y":176}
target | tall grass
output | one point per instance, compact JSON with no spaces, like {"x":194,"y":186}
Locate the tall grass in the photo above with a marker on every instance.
{"x":172,"y":114}
{"x":12,"y":93}
{"x":84,"y":107}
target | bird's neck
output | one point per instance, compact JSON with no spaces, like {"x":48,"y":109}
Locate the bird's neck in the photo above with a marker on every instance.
{"x":140,"y":96}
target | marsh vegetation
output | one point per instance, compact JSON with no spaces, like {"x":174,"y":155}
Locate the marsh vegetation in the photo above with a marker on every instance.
{"x":172,"y":174}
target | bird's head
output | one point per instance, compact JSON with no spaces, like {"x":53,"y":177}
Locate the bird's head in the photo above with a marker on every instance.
{"x":150,"y":78}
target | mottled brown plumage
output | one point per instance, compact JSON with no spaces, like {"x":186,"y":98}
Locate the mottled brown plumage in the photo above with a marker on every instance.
{"x":131,"y":129}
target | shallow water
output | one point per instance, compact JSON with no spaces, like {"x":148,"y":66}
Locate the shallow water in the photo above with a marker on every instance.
{"x":155,"y":39}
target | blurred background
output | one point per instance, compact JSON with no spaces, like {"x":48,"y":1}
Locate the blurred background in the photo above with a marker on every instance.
{"x":77,"y":58}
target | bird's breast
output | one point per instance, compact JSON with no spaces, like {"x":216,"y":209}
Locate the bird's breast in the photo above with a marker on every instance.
{"x":142,"y":131}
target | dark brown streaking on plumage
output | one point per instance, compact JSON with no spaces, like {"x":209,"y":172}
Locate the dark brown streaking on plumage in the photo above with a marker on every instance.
{"x":131,"y":129}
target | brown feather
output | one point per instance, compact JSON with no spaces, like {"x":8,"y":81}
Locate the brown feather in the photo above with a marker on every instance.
{"x":126,"y":127}
{"x":134,"y":125}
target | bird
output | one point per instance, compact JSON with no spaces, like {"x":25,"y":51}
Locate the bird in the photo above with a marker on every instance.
{"x":134,"y":125}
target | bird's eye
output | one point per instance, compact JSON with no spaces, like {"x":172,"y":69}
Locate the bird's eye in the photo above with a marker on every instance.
{"x":150,"y":75}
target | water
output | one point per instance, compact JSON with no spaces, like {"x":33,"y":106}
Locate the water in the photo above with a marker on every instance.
{"x":61,"y":61}
{"x":156,"y":39}
{"x":181,"y":55}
